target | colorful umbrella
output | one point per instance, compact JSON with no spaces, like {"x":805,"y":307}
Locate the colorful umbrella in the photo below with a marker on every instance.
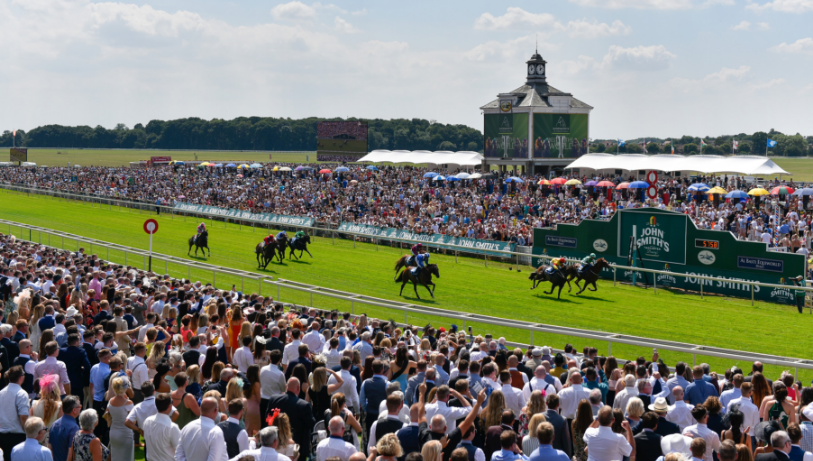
{"x":717,"y":190}
{"x":452,"y":178}
{"x":372,"y":168}
{"x":243,"y":166}
{"x":285,"y":168}
{"x":342,"y":169}
{"x":699,"y":187}
{"x":738,"y":194}
{"x":591,"y":183}
{"x":573,"y":182}
{"x":758,"y":192}
{"x":623,"y":185}
{"x":325,"y":171}
{"x":544,"y":182}
{"x":439,"y":178}
{"x":255,"y":165}
{"x":558,"y":181}
{"x":430,"y":174}
{"x":299,"y":168}
{"x":609,"y":184}
{"x":276,"y":168}
{"x":513,"y":179}
{"x":802,"y":192}
{"x":463,"y":176}
{"x":638,"y":185}
{"x":781,"y":190}
{"x":231,"y":165}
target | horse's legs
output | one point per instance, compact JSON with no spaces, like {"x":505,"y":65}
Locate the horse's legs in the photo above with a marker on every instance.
{"x":189,"y":250}
{"x":552,"y":286}
{"x":403,"y":284}
{"x":209,"y":250}
{"x":415,"y":287}
{"x":594,"y":286}
{"x":559,"y":296}
{"x":309,"y":253}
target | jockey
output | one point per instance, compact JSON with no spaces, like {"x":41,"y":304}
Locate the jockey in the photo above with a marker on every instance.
{"x":282,"y":235}
{"x":421,"y":260}
{"x":556,"y":264}
{"x":201,"y":229}
{"x":268,"y":240}
{"x":416,"y":250}
{"x":300,"y":234}
{"x":587,"y":262}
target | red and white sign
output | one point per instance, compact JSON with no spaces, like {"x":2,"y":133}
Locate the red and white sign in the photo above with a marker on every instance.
{"x":160,"y":159}
{"x":652,"y":177}
{"x":652,"y":192}
{"x":150,"y":226}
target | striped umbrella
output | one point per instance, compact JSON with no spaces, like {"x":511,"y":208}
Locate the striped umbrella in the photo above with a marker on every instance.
{"x":782,"y":190}
{"x":544,"y":182}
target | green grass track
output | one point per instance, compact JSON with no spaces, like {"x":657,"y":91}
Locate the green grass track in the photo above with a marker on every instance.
{"x":465,"y":286}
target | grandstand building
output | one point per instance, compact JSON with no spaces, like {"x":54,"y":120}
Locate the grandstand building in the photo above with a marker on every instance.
{"x":535,"y":128}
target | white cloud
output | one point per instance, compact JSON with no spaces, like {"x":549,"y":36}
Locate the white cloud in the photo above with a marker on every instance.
{"x":784,"y":6}
{"x":496,"y":50}
{"x":801,"y":46}
{"x":584,"y":29}
{"x":744,"y":25}
{"x":293,"y":10}
{"x":651,"y":4}
{"x":727,"y":75}
{"x":763,"y":26}
{"x":769,"y":84}
{"x":519,"y":19}
{"x":514,"y":18}
{"x":345,"y":27}
{"x":642,"y":58}
{"x":360,"y":12}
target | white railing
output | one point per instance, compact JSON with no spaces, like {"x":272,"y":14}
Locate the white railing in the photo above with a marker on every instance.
{"x":355,"y":299}
{"x":513,"y":257}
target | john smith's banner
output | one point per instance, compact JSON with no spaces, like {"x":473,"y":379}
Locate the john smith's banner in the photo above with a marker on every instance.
{"x":476,"y":246}
{"x":269,"y":218}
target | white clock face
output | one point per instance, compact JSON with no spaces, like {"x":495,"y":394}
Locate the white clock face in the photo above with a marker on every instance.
{"x":540,"y":69}
{"x":531,"y":69}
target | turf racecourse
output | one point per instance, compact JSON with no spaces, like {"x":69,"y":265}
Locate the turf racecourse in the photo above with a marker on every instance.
{"x":465,"y":286}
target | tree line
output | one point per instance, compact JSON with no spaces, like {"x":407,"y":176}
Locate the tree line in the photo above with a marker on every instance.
{"x":247,"y":133}
{"x":786,"y":145}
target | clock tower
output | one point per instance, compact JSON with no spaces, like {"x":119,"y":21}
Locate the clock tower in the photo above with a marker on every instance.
{"x":536,"y":70}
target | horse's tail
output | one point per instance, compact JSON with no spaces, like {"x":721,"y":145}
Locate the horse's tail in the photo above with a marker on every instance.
{"x":400,"y":263}
{"x":400,"y":277}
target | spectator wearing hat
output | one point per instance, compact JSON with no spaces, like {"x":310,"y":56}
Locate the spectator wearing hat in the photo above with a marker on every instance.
{"x":664,"y":427}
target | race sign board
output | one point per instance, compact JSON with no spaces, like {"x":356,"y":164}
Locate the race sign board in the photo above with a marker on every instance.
{"x":652,"y":192}
{"x":150,"y":226}
{"x":652,"y":177}
{"x":18,"y":154}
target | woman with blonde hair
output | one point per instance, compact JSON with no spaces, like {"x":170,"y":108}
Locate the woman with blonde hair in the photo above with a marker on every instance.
{"x":286,"y":446}
{"x":193,"y":383}
{"x":245,"y":330}
{"x":319,"y":392}
{"x":49,"y":405}
{"x":530,"y":442}
{"x":535,"y":406}
{"x":34,"y":329}
{"x":388,"y":448}
{"x":234,"y":390}
{"x":121,"y":437}
{"x":23,"y":302}
{"x":156,"y":354}
{"x":432,"y":451}
{"x":203,"y":324}
{"x":635,"y":408}
{"x":217,"y":396}
{"x":492,"y":413}
{"x":425,"y":349}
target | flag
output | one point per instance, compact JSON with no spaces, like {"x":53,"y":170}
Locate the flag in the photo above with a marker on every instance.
{"x":621,"y":142}
{"x":703,"y":143}
{"x":14,"y":133}
{"x":735,"y":145}
{"x":673,"y":148}
{"x":644,"y":146}
{"x":771,"y":143}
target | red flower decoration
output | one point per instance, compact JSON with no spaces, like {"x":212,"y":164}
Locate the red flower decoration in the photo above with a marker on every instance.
{"x":270,"y":419}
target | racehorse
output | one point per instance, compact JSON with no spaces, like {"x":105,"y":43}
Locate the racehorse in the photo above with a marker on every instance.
{"x":403,"y":262}
{"x":200,"y":243}
{"x":424,"y":278}
{"x":267,"y":252}
{"x":282,"y":245}
{"x":590,"y":276}
{"x":557,"y":279}
{"x":300,"y":244}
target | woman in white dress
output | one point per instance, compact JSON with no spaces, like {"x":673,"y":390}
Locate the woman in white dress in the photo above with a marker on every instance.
{"x":49,"y":405}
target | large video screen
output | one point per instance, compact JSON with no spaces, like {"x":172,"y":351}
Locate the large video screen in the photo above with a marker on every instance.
{"x":341,"y":141}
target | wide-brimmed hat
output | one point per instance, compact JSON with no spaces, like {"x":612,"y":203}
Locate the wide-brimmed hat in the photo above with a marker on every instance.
{"x":660,"y":405}
{"x":677,"y":443}
{"x":764,"y":430}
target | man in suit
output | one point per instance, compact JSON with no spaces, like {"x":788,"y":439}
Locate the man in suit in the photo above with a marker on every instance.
{"x":12,"y":349}
{"x":664,"y":427}
{"x":299,"y":412}
{"x":757,"y":367}
{"x":274,"y":342}
{"x":77,"y":363}
{"x":648,"y":442}
{"x":103,"y":314}
{"x":414,"y":382}
{"x":561,"y":431}
{"x":303,"y":359}
{"x":780,"y":441}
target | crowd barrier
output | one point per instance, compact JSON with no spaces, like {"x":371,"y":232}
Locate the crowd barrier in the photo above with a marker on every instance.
{"x":354,"y":299}
{"x":511,"y":257}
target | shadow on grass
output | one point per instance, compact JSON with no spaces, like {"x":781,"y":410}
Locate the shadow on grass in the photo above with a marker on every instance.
{"x":591,"y":298}
{"x":428,"y":300}
{"x":552,"y":297}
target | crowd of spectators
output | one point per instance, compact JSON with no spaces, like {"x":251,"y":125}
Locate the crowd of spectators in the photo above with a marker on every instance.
{"x":98,"y":359}
{"x":336,"y":130}
{"x":402,"y":198}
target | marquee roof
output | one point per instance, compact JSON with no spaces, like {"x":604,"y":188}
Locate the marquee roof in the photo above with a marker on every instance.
{"x":740,"y":164}
{"x":424,"y":157}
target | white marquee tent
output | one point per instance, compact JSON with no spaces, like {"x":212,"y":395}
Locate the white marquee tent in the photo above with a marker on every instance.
{"x":746,"y":165}
{"x":419,"y":157}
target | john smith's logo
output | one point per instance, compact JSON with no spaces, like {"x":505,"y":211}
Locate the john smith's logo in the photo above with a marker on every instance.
{"x":600,"y":245}
{"x":653,"y":221}
{"x":706,"y":257}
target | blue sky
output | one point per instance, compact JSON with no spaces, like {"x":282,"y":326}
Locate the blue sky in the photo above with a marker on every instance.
{"x":649,"y":67}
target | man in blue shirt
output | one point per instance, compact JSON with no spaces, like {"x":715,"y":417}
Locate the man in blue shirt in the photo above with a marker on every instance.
{"x":546,"y":452}
{"x":31,"y":448}
{"x":698,"y":391}
{"x":373,"y":392}
{"x":63,"y":430}
{"x":509,"y":450}
{"x":98,"y":375}
{"x":677,"y":380}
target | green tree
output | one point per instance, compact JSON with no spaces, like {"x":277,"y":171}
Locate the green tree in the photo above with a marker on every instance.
{"x":447,"y":145}
{"x":600,"y":148}
{"x":795,"y":146}
{"x":725,"y":148}
{"x":690,"y":148}
{"x":634,"y":148}
{"x":744,"y":147}
{"x":653,"y":148}
{"x":759,"y":141}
